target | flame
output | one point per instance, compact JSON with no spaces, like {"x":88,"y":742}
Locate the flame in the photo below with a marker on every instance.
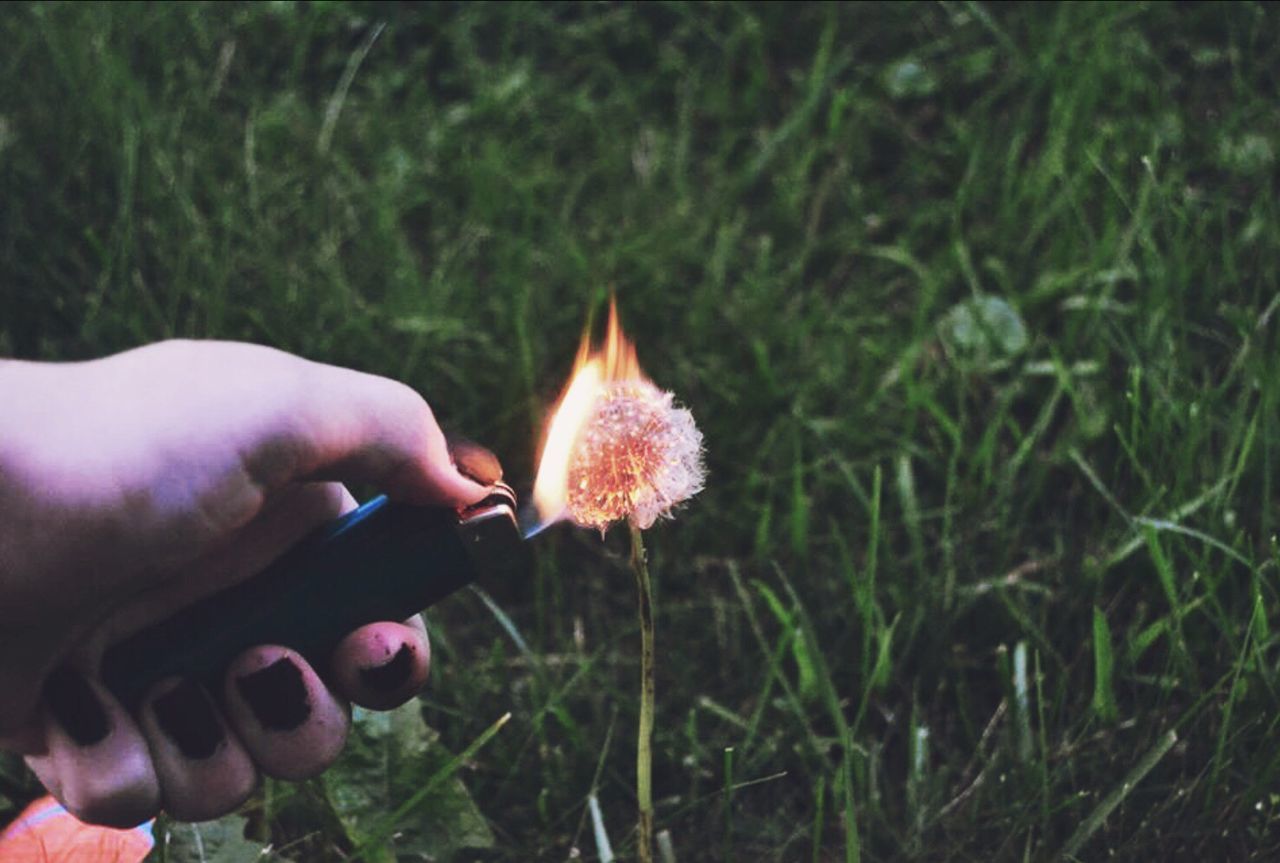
{"x":593,"y":370}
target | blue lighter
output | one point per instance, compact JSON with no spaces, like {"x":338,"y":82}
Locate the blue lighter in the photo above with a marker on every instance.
{"x":383,"y":561}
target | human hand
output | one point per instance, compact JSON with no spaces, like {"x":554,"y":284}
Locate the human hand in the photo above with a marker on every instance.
{"x":135,"y":485}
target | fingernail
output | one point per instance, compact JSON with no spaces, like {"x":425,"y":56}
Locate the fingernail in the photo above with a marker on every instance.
{"x":186,"y":715}
{"x":277,"y":695}
{"x":474,"y":461}
{"x":391,"y":675}
{"x":76,"y":707}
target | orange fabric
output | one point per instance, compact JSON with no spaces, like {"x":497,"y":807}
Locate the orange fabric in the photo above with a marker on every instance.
{"x":47,"y":833}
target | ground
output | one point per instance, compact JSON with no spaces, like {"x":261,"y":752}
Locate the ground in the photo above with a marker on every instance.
{"x":974,"y":303}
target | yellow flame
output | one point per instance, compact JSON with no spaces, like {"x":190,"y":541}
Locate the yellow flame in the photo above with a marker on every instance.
{"x":592,"y":370}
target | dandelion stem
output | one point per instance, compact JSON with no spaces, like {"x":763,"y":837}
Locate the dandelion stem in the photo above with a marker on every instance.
{"x":644,"y":743}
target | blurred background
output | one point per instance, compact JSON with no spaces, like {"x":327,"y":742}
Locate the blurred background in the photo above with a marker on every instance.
{"x":973,"y":302}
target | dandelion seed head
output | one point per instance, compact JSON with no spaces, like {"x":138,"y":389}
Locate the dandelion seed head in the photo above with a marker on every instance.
{"x":637,"y":456}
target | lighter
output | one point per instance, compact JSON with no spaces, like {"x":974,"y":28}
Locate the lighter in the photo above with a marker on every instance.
{"x":383,"y":561}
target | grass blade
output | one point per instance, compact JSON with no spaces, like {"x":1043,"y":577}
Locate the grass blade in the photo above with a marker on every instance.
{"x":666,"y":850}
{"x":1096,"y":818}
{"x":728,"y":804}
{"x":819,"y":809}
{"x":603,"y":847}
{"x":1104,"y":698}
{"x":906,"y":482}
{"x":383,"y":832}
{"x":1168,"y":583}
{"x":1022,"y":702}
{"x":852,"y":841}
{"x":334,"y":107}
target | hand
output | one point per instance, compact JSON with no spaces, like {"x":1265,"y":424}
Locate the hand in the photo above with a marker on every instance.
{"x":137,"y":484}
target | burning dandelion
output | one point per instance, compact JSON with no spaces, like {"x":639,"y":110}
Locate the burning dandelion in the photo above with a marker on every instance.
{"x":617,"y":446}
{"x":637,"y":456}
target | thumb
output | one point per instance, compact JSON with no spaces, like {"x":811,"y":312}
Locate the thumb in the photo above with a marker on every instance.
{"x":348,"y":426}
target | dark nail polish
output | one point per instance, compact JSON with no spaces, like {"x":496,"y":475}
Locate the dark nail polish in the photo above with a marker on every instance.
{"x":186,"y":715}
{"x":392,"y":675}
{"x":474,"y":461}
{"x":277,"y":695}
{"x":76,"y":707}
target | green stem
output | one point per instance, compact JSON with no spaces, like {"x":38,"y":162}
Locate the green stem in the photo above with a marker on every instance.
{"x":644,"y":744}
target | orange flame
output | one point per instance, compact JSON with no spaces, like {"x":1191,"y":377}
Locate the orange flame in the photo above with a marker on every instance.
{"x":592,"y":370}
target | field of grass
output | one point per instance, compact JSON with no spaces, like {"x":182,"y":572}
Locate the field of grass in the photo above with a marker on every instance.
{"x":975,"y":304}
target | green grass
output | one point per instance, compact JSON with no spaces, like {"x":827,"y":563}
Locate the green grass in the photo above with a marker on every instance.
{"x":964,"y":584}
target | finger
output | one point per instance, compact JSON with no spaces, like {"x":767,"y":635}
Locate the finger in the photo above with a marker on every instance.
{"x":203,"y":769}
{"x":283,"y":417}
{"x":30,"y":647}
{"x":382,"y":665}
{"x":285,"y":521}
{"x":350,"y":426}
{"x":289,"y":722}
{"x":96,"y":761}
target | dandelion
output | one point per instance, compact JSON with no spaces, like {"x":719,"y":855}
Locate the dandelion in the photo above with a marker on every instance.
{"x":637,"y":456}
{"x":619,"y":448}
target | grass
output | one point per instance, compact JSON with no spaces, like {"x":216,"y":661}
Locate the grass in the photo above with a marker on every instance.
{"x":974,"y":303}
